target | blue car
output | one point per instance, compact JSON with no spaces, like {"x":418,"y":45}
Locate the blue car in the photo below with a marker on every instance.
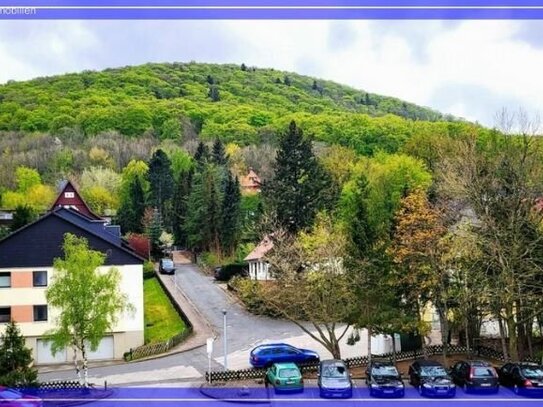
{"x":267,"y":355}
{"x":334,"y":379}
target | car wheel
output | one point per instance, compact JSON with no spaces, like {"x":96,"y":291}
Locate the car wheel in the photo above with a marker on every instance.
{"x":465,"y":388}
{"x":516,"y":389}
{"x":421,"y":390}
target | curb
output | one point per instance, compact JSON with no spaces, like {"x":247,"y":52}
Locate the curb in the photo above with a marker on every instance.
{"x":205,"y":391}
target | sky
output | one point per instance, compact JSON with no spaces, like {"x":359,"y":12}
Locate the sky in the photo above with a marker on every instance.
{"x":471,"y":69}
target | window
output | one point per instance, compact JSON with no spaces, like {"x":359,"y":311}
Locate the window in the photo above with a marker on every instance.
{"x":39,"y":278}
{"x":40,"y":313}
{"x":5,"y":280}
{"x":5,"y":314}
{"x":68,"y":195}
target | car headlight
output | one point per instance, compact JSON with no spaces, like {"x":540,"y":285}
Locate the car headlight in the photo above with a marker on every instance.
{"x":399,"y":386}
{"x":427,"y":386}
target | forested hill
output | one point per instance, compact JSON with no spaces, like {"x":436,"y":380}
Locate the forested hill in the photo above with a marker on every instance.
{"x":236,"y":103}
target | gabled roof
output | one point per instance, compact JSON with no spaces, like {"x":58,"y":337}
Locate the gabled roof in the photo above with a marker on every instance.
{"x":40,"y":242}
{"x":75,"y":202}
{"x":251,"y":180}
{"x":260,"y":250}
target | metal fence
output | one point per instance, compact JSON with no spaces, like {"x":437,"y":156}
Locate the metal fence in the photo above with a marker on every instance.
{"x":360,"y":361}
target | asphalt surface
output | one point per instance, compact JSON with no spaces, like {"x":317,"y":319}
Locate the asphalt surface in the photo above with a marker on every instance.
{"x":243,"y":331}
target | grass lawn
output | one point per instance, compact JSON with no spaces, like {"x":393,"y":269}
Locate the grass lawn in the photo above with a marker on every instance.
{"x":161,"y":320}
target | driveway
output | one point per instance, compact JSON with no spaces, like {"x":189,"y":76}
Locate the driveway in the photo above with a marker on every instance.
{"x":243,"y":331}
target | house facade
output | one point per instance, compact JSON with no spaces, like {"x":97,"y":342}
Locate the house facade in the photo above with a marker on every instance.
{"x":250,"y":183}
{"x":259,"y":269}
{"x":26,"y":270}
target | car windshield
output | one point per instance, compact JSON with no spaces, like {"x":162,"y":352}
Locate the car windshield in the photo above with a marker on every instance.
{"x":533,"y":372}
{"x":334,"y":372}
{"x":384,"y":371}
{"x":167,"y":263}
{"x":289,"y":372}
{"x":433,"y":371}
{"x":10,"y":394}
{"x":485,"y":371}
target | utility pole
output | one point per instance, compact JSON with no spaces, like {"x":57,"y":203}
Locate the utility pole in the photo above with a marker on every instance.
{"x":224,"y":340}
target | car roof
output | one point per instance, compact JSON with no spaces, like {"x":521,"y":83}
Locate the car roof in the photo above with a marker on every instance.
{"x":286,"y":365}
{"x":382,"y":363}
{"x":272,"y":345}
{"x":329,"y":362}
{"x":481,"y":363}
{"x":425,"y":362}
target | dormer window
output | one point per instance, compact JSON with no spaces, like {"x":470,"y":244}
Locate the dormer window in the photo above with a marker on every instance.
{"x":69,"y":195}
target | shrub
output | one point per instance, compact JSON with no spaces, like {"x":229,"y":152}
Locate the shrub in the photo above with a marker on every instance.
{"x":148,"y":270}
{"x":233,"y":269}
{"x":248,"y":292}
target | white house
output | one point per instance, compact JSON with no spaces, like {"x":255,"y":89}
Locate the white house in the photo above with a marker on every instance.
{"x":26,"y":270}
{"x":259,"y":269}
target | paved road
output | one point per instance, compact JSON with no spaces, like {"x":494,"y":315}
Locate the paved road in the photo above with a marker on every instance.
{"x":243,"y":331}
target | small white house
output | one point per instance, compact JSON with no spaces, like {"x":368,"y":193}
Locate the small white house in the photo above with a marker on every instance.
{"x":259,"y":269}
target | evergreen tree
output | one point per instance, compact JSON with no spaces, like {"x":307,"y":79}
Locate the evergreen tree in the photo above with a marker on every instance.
{"x":243,"y":67}
{"x":203,"y":220}
{"x":23,"y":215}
{"x":210,"y":80}
{"x":218,"y":153}
{"x":202,"y":153}
{"x":132,"y":208}
{"x":180,"y":203}
{"x":214,"y":93}
{"x":300,"y":186}
{"x":160,"y":179}
{"x":315,"y":86}
{"x":286,"y":80}
{"x":278,"y":81}
{"x":231,"y":213}
{"x":15,"y":359}
{"x":154,"y":230}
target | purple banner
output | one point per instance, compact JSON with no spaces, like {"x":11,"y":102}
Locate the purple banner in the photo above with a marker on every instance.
{"x":268,"y":13}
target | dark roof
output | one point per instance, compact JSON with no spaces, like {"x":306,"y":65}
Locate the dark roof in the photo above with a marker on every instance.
{"x":428,"y":362}
{"x":478,"y":363}
{"x":39,"y":243}
{"x":77,"y":200}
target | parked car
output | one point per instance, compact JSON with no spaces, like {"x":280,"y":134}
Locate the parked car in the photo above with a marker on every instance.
{"x":284,"y":377}
{"x":383,"y":379}
{"x":334,"y":379}
{"x":476,"y":376}
{"x":431,"y":379}
{"x":266,"y":355}
{"x":166,"y":266}
{"x":522,"y":378}
{"x":13,"y":398}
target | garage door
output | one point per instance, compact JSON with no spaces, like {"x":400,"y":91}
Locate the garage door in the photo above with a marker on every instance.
{"x":45,"y":356}
{"x":104,"y":350}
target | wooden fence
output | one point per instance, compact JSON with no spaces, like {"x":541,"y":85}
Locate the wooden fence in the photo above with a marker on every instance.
{"x":480,"y":351}
{"x":157,"y":348}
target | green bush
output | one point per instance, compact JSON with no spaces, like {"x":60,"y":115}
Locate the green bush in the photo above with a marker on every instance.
{"x":249,"y":292}
{"x":148,"y":269}
{"x":209,"y":260}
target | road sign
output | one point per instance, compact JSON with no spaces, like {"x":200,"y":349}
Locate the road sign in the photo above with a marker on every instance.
{"x":209,"y":346}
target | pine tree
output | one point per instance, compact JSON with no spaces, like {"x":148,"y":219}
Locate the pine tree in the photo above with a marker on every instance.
{"x":315,"y":86}
{"x":154,"y":231}
{"x":218,"y":153}
{"x":300,"y":186}
{"x":15,"y":359}
{"x":243,"y":67}
{"x":202,"y":153}
{"x":287,"y":81}
{"x":180,"y":203}
{"x":210,"y":80}
{"x":231,"y":213}
{"x":22,"y":216}
{"x":160,"y":180}
{"x":132,"y":208}
{"x":214,"y":93}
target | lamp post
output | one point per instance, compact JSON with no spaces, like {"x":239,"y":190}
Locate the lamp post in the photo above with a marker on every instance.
{"x":224,"y":340}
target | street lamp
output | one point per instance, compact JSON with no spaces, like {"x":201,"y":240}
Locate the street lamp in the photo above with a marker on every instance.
{"x":224,"y":340}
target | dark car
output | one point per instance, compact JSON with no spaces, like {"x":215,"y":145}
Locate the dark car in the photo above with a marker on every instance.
{"x":334,"y":379}
{"x":266,"y":355}
{"x":522,"y":378}
{"x":166,"y":266}
{"x":431,"y":379}
{"x":476,"y":376}
{"x":383,"y":379}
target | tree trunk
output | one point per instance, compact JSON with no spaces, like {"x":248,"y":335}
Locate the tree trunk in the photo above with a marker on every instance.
{"x":466,"y":327}
{"x":512,"y":331}
{"x":336,"y":352}
{"x":529,"y":334}
{"x":76,"y":364}
{"x":369,"y":345}
{"x":444,"y":323}
{"x":85,"y":366}
{"x":394,"y":348}
{"x":503,"y":339}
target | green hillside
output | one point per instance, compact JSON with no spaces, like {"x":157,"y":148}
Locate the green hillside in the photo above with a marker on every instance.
{"x":235,"y":103}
